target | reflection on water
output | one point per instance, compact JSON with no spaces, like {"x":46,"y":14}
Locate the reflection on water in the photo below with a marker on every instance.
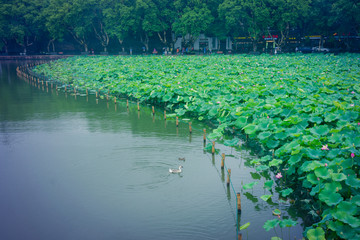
{"x":74,"y":167}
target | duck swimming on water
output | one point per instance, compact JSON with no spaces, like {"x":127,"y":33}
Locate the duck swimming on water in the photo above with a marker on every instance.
{"x":181,"y":158}
{"x":176,"y":170}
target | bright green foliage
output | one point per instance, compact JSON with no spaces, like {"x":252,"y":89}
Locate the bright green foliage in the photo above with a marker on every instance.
{"x":316,"y":234}
{"x":304,"y":109}
{"x":249,"y":185}
{"x":270,"y":224}
{"x":265,"y":197}
{"x":245,"y":226}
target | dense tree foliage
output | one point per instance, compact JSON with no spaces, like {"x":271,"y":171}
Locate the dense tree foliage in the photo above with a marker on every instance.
{"x":100,"y":23}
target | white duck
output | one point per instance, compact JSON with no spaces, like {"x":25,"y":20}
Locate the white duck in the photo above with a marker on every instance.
{"x":176,"y":170}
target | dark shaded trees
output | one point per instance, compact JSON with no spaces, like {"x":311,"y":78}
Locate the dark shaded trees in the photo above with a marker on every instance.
{"x":47,"y":21}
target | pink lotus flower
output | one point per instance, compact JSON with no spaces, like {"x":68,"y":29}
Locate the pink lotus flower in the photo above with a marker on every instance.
{"x":353,"y":92}
{"x":278,"y":176}
{"x":352,"y":155}
{"x":326,"y":164}
{"x":325,"y":147}
{"x":358,"y":123}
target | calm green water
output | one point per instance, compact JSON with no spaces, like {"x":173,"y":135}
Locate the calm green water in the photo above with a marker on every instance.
{"x":72,"y":167}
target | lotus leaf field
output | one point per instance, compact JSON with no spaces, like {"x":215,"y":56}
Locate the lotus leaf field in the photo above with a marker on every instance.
{"x":302,"y":109}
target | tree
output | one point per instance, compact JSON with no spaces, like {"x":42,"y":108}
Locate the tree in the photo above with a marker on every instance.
{"x":118,"y":18}
{"x":194,"y":17}
{"x":5,"y":15}
{"x":250,"y":17}
{"x":21,"y":22}
{"x":286,"y":14}
{"x":76,"y":17}
{"x":346,"y":16}
{"x":166,"y":17}
{"x":147,"y":20}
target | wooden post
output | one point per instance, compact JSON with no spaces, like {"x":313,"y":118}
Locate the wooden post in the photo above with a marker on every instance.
{"x":114,"y":99}
{"x":138,"y":105}
{"x":222,"y":160}
{"x":74,"y":90}
{"x":65,"y":88}
{"x":96,"y":94}
{"x":87,"y":92}
{"x":204,"y":136}
{"x":228,"y":178}
{"x":52,"y":85}
{"x":127,"y":103}
{"x":107,"y":97}
{"x":213,"y":147}
{"x":177,"y":121}
{"x":240,"y":236}
{"x":153,"y":110}
{"x":238,"y":197}
{"x":165,"y":114}
{"x":190,"y":128}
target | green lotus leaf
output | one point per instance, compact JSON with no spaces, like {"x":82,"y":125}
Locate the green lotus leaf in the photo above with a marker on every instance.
{"x":310,"y":166}
{"x":331,"y":117}
{"x":270,"y":224}
{"x":315,"y":190}
{"x":214,"y":135}
{"x":180,"y":112}
{"x":314,"y":153}
{"x":345,"y":215}
{"x":294,"y":159}
{"x":321,"y":130}
{"x":287,"y":223}
{"x":265,"y":197}
{"x":352,"y":181}
{"x":262,"y":168}
{"x":264,"y":135}
{"x":241,"y":122}
{"x":316,"y":119}
{"x":244,"y":226}
{"x":276,"y":212}
{"x":344,"y":231}
{"x":338,"y":177}
{"x":268,"y":184}
{"x":255,"y":176}
{"x":250,"y":129}
{"x":356,"y":200}
{"x":275,"y":162}
{"x":232,"y":143}
{"x":249,"y":185}
{"x":167,"y":97}
{"x":286,"y":192}
{"x":322,"y":172}
{"x":280,"y":135}
{"x":272,"y":144}
{"x":312,"y":178}
{"x":275,"y":238}
{"x":329,"y":194}
{"x":213,"y":112}
{"x":316,"y":234}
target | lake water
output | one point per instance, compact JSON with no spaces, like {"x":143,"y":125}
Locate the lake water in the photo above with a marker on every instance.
{"x":73,"y":167}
